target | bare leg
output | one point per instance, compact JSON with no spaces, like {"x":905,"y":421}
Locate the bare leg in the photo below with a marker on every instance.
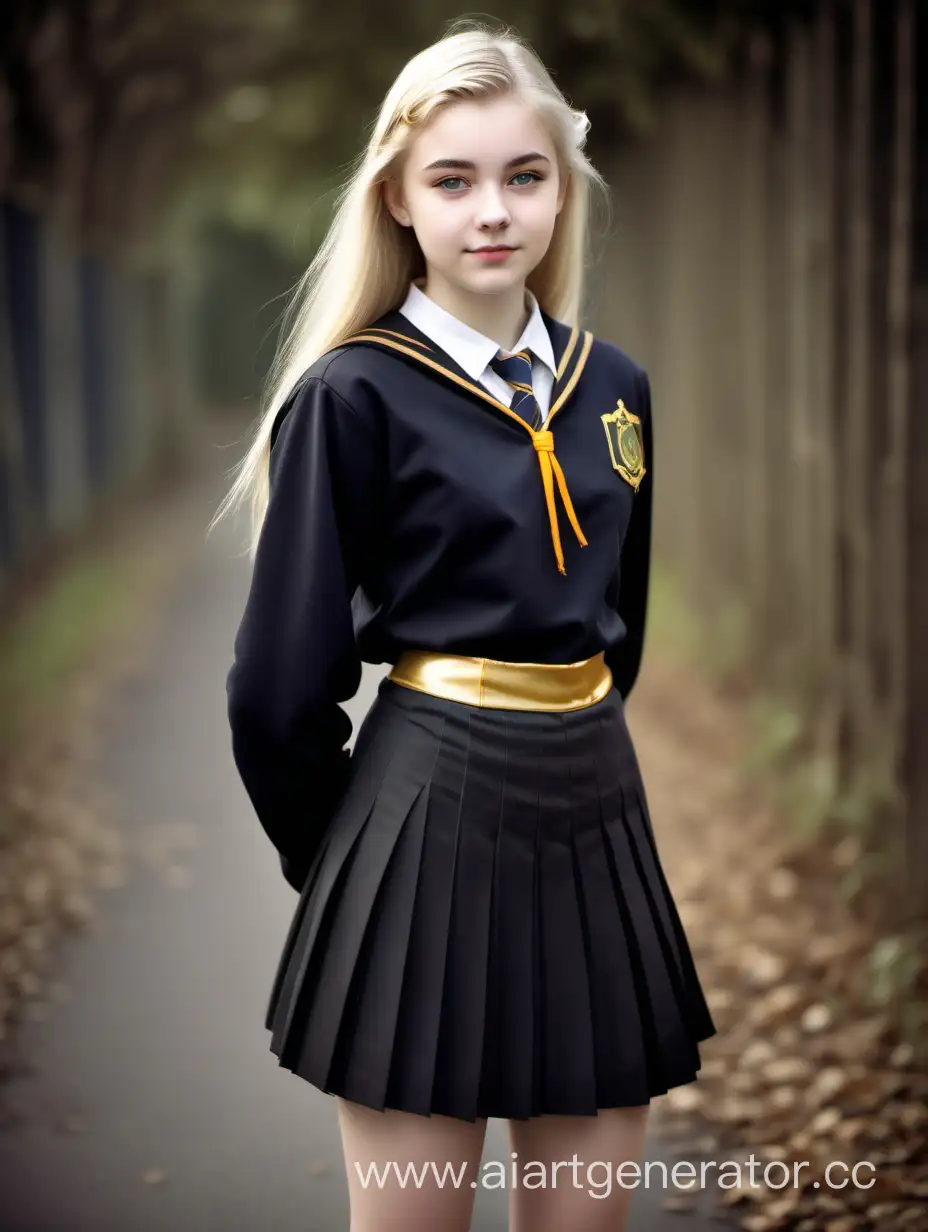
{"x":601,"y":1143}
{"x":436,"y":1158}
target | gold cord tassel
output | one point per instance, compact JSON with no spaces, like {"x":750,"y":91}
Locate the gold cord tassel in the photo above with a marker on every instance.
{"x":544,"y":445}
{"x":542,"y":440}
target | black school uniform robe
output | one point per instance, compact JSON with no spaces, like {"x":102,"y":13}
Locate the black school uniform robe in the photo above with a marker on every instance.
{"x":408,"y":509}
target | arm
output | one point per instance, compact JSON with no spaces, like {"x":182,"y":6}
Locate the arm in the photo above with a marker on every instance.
{"x":295,"y":655}
{"x":625,"y":658}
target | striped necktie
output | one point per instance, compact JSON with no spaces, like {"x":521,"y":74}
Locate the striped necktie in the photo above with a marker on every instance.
{"x":516,"y":371}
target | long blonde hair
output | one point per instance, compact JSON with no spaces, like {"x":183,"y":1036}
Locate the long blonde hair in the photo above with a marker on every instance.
{"x":364,"y":265}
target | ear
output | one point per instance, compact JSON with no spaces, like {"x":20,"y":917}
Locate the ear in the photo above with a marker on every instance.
{"x":393,"y":196}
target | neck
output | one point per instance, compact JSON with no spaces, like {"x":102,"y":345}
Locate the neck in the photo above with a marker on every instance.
{"x":501,"y":317}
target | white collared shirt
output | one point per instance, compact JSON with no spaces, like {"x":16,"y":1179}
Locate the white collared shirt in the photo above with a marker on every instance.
{"x":472,"y":351}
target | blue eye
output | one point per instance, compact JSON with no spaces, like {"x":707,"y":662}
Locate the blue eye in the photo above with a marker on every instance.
{"x":522,"y":179}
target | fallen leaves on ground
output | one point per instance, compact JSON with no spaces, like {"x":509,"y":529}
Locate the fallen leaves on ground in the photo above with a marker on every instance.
{"x":803,"y":1068}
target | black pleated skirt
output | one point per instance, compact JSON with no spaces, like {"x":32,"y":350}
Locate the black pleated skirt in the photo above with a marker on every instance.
{"x":486,"y":930}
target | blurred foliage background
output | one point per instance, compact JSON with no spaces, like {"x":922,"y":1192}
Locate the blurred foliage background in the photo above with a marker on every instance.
{"x":143,"y":128}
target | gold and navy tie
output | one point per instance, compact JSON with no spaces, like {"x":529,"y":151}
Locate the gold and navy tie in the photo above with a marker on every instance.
{"x":516,"y":371}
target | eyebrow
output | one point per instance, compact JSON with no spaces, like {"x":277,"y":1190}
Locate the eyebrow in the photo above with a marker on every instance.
{"x":453,"y":164}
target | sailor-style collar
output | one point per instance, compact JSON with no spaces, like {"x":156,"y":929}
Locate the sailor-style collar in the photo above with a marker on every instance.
{"x":394,"y":332}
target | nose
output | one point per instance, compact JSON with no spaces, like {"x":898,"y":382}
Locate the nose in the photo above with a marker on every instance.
{"x":492,"y":212}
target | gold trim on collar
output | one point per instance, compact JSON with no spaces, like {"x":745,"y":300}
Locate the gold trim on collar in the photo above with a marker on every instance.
{"x":574,"y":376}
{"x":542,"y":439}
{"x":431,"y":363}
{"x":568,"y":351}
{"x":377,"y":329}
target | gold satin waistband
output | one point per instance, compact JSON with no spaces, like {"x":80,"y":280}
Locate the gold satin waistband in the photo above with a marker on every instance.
{"x":500,"y":685}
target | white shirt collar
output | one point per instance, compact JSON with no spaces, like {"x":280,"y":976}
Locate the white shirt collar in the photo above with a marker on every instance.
{"x":472,"y":351}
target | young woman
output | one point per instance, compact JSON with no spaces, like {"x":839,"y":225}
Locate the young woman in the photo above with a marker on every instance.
{"x":453,"y":478}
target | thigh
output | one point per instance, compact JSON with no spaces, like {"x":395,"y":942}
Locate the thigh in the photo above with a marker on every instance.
{"x":585,"y":1197}
{"x":425,"y":1166}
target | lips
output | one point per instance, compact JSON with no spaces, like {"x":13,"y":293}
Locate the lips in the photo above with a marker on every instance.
{"x":495,"y":248}
{"x":493,"y":256}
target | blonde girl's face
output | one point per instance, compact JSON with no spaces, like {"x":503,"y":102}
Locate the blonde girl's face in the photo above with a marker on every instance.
{"x":480,"y":186}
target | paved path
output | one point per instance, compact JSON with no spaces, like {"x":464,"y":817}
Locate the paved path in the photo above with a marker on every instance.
{"x":159,"y":1063}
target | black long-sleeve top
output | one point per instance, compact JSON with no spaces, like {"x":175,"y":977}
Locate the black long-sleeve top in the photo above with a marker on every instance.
{"x":408,"y":509}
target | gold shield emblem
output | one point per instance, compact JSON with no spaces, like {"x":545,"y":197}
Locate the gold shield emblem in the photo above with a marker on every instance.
{"x":623,"y":432}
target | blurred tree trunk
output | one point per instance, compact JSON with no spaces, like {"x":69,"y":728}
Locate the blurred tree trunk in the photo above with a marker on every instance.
{"x":821,"y":172}
{"x":911,"y":338}
{"x":15,"y":486}
{"x":858,"y":501}
{"x":753,"y":293}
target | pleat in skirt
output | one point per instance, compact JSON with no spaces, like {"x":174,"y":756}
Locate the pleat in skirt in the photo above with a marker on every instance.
{"x":486,"y":929}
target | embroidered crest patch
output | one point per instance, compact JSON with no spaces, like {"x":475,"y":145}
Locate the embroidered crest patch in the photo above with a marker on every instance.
{"x":623,"y":432}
